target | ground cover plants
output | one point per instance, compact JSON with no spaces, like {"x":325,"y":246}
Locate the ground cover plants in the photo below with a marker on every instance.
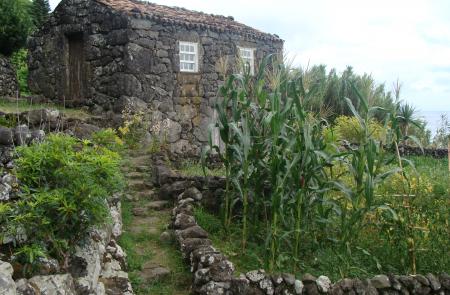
{"x":65,"y":183}
{"x":296,"y":199}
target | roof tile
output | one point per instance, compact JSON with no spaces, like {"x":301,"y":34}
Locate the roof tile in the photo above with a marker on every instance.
{"x":188,"y":18}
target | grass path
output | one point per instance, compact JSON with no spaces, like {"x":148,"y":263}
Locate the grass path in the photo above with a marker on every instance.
{"x":155,"y":266}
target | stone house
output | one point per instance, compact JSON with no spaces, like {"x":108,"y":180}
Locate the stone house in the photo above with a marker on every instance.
{"x":166,"y":60}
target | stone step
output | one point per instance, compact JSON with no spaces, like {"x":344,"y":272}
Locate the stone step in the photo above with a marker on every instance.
{"x":142,"y":168}
{"x":146,"y":194}
{"x":138,"y":185}
{"x":144,"y":210}
{"x":157,"y":205}
{"x":152,"y":272}
{"x":146,"y":160}
{"x":135,"y":175}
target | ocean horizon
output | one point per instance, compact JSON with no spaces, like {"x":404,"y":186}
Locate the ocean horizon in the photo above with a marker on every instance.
{"x":433,"y":119}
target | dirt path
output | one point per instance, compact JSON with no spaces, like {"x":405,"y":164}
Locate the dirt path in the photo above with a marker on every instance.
{"x":155,"y":265}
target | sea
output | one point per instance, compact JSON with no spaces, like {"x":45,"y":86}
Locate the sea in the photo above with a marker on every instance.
{"x":433,"y":119}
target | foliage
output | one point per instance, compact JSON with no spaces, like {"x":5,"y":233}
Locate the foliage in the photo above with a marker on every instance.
{"x":40,"y":10}
{"x":19,"y":60}
{"x":134,"y":127}
{"x":306,"y":197}
{"x":348,"y":128}
{"x":194,"y":168}
{"x":108,"y":138}
{"x":15,"y":25}
{"x":65,"y":185}
{"x":207,"y":221}
{"x":28,"y":255}
{"x":332,"y":89}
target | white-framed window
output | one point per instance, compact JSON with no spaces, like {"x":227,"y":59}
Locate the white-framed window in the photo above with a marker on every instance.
{"x":248,"y":58}
{"x":188,"y":57}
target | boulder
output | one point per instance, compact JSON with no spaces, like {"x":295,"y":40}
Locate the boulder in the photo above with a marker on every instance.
{"x":5,"y":190}
{"x":183,"y":221}
{"x":23,"y":287}
{"x":42,"y":118}
{"x":381,"y":282}
{"x":84,"y":130}
{"x":6,"y":136}
{"x":323,"y":283}
{"x":192,"y":193}
{"x":47,"y":266}
{"x":22,"y":135}
{"x":192,"y":232}
{"x":54,"y":284}
{"x":85,"y":266}
{"x":7,"y":285}
{"x":255,"y":276}
{"x":130,"y":105}
{"x":163,"y":174}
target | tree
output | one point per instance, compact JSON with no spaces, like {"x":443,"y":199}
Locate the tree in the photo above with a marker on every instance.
{"x":15,"y":25}
{"x":40,"y":10}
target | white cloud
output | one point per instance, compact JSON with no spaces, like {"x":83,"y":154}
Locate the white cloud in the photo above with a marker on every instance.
{"x":406,"y":39}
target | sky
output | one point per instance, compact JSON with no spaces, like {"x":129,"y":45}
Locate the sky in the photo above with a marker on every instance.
{"x":407,"y":40}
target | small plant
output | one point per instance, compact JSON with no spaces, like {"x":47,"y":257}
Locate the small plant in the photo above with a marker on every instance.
{"x":65,"y":184}
{"x":109,"y":139}
{"x":28,"y":256}
{"x":19,"y":60}
{"x":135,"y":126}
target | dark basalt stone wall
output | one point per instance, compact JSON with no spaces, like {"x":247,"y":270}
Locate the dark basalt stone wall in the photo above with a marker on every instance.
{"x":8,"y":78}
{"x":131,"y":58}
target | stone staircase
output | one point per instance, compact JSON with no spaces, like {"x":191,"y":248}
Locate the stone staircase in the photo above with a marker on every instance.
{"x":160,"y":270}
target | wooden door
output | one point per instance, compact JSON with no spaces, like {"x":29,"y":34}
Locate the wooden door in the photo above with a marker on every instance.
{"x":76,"y":70}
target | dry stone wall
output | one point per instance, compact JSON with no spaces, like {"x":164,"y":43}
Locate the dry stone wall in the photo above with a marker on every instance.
{"x":8,"y":79}
{"x":214,"y":274}
{"x":98,"y":266}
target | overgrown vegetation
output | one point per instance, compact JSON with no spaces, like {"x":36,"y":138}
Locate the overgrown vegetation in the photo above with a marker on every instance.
{"x":19,"y":60}
{"x":309,"y":197}
{"x":65,"y":183}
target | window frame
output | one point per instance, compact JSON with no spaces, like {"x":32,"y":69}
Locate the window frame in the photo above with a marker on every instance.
{"x":244,"y":59}
{"x":195,"y":53}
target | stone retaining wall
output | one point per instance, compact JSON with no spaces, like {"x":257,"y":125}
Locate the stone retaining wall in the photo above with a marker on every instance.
{"x":214,"y":274}
{"x":8,"y":78}
{"x":438,"y":153}
{"x":97,"y":267}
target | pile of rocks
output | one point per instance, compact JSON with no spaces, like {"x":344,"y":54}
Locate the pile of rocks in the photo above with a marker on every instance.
{"x":9,"y":186}
{"x":19,"y":135}
{"x":96,"y":267}
{"x":8,"y":78}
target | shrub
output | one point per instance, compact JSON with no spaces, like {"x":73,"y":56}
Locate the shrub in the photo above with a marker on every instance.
{"x":109,"y":139}
{"x":348,"y":128}
{"x":135,"y":125}
{"x":65,"y":186}
{"x":19,"y":60}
